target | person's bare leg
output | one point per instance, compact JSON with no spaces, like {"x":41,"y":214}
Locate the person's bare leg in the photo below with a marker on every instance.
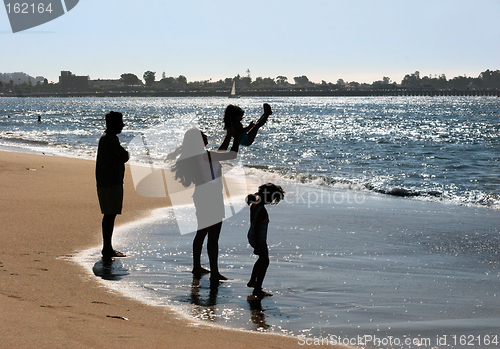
{"x":263,"y":119}
{"x":197,"y":248}
{"x":108,"y":224}
{"x":213,"y":251}
{"x":255,"y":271}
{"x":263,"y":263}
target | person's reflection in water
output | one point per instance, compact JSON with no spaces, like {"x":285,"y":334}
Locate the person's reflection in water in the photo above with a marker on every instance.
{"x":109,"y":269}
{"x":257,"y":313}
{"x":205,"y":309}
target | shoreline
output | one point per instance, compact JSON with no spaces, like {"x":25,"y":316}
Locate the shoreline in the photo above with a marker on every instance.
{"x":50,"y":213}
{"x":395,"y":193}
{"x":302,"y":92}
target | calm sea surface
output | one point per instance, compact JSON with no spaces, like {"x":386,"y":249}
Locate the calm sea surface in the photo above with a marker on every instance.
{"x":406,"y":245}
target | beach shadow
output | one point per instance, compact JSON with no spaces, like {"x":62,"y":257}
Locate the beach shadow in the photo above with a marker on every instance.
{"x":257,"y":315}
{"x":109,"y":269}
{"x":205,"y":305}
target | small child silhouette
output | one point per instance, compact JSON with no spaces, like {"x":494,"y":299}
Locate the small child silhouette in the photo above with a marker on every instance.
{"x":268,"y":194}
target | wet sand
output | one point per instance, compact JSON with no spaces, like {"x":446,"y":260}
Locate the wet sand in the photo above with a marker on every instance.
{"x":49,"y":212}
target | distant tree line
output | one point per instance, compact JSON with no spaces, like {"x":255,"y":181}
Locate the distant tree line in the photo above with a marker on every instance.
{"x":488,"y":79}
{"x":21,"y":83}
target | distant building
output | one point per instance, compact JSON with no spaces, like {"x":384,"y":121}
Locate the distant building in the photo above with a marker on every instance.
{"x":105,"y":83}
{"x":70,"y":82}
{"x":419,"y":87}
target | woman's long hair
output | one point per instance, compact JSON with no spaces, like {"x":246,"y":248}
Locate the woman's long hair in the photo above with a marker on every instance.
{"x":187,"y":168}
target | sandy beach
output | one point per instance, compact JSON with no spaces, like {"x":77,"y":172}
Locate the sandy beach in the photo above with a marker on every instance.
{"x":49,"y":212}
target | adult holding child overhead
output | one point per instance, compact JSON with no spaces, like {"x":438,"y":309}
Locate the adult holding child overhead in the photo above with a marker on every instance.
{"x":199,"y":167}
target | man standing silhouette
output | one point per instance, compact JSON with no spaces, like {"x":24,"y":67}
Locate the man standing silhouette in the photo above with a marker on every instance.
{"x":109,"y":171}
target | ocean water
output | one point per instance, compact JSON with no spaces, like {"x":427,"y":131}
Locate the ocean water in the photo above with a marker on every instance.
{"x":348,"y":266}
{"x":443,"y":149}
{"x":389,"y":229}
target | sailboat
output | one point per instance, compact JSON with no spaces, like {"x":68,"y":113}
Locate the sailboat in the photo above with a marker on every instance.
{"x":233,"y":91}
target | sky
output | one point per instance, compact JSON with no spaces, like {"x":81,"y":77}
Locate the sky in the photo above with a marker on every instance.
{"x":353,"y":40}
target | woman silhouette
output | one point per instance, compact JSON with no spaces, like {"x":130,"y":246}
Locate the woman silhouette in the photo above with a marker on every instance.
{"x":201,"y":168}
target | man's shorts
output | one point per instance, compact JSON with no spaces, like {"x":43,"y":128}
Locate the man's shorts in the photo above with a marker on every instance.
{"x":111,"y":199}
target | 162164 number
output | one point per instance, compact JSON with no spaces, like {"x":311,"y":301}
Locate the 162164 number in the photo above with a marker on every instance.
{"x":472,"y":340}
{"x":25,"y":8}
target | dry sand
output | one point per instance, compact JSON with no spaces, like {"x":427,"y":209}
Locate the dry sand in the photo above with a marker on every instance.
{"x":49,"y":211}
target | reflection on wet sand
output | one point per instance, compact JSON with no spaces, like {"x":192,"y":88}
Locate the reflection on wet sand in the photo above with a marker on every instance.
{"x":257,"y":313}
{"x":205,"y":307}
{"x":109,"y":269}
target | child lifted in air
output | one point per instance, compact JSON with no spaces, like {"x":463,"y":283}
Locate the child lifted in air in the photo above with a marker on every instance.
{"x":232,"y":121}
{"x":268,"y":194}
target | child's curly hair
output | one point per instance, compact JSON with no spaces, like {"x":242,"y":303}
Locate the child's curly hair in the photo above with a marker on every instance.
{"x":270,"y":193}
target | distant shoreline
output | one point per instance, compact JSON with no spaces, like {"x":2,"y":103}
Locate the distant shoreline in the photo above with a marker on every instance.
{"x":267,"y":93}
